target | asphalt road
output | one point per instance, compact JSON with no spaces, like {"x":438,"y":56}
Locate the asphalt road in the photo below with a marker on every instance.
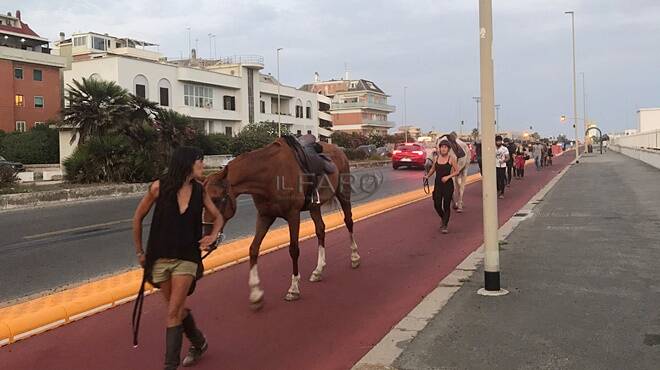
{"x":44,"y":249}
{"x":332,"y":326}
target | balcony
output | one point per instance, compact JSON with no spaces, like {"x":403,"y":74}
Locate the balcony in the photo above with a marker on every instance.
{"x":254,"y":61}
{"x":364,"y":105}
{"x":377,"y":123}
{"x":28,"y":56}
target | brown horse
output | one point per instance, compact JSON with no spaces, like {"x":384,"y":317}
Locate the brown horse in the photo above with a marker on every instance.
{"x":277,"y":185}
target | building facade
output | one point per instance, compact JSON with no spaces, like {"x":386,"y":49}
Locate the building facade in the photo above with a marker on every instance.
{"x":356,"y":105}
{"x":30,"y":84}
{"x":648,"y":119}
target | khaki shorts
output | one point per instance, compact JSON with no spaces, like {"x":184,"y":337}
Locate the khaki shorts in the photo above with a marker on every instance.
{"x":164,"y":268}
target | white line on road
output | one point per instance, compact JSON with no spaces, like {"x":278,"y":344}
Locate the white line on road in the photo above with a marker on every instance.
{"x":80,"y":228}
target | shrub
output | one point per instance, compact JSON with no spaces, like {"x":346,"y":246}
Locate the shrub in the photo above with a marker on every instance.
{"x":254,"y":136}
{"x":39,"y":145}
{"x":212,"y":144}
{"x":7,"y":176}
{"x":355,"y":155}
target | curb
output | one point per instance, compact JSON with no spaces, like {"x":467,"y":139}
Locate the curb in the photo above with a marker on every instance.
{"x":383,"y":355}
{"x":41,"y":314}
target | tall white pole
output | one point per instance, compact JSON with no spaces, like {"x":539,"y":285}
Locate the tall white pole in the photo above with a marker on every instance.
{"x":477,"y":99}
{"x":497,"y":118}
{"x":575,"y":116}
{"x":491,"y":240}
{"x":405,"y":118}
{"x":279,"y":107}
{"x":584,"y":104}
{"x":189,"y":50}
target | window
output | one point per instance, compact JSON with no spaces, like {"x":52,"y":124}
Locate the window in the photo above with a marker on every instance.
{"x":262,"y":106}
{"x":98,"y":43}
{"x":229,"y":102}
{"x":38,"y":101}
{"x":19,"y":101}
{"x":18,"y":73}
{"x":309,"y":131}
{"x":228,"y":131}
{"x":21,"y":126}
{"x":198,"y":96}
{"x":164,"y":96}
{"x":308,"y":112}
{"x":298,"y":133}
{"x":299,"y":109}
{"x":37,"y":75}
{"x":37,"y":123}
{"x":140,"y":90}
{"x":80,"y":41}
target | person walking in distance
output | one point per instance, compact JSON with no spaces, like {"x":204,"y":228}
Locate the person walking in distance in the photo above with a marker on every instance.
{"x":501,"y":158}
{"x":445,"y":168}
{"x":520,"y":159}
{"x":511,"y":147}
{"x":173,"y":259}
{"x":537,"y":151}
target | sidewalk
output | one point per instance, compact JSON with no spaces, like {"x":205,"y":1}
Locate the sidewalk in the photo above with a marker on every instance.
{"x":584,"y":277}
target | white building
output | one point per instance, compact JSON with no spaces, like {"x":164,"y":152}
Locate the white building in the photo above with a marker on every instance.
{"x":648,"y":119}
{"x":221,"y":96}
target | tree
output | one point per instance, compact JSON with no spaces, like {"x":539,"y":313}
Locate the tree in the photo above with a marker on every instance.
{"x":475,"y":133}
{"x":562,"y":138}
{"x":536,"y":136}
{"x":95,"y":108}
{"x":255,"y":136}
{"x":377,"y":139}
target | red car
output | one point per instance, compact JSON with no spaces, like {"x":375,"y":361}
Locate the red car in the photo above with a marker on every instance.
{"x":409,"y":155}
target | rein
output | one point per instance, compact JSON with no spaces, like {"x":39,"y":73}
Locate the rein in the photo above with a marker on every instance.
{"x":223,"y":206}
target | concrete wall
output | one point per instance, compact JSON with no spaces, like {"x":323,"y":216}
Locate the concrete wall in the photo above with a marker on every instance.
{"x":650,"y":139}
{"x":649,"y":156}
{"x":648,"y":119}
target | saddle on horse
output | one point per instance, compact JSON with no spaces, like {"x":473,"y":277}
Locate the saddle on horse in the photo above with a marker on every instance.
{"x":313,"y":162}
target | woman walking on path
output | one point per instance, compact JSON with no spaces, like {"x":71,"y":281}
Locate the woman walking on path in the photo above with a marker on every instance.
{"x":445,"y":168}
{"x":173,"y":259}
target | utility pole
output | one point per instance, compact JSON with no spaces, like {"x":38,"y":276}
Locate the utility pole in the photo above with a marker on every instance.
{"x":575,"y":117}
{"x":189,"y":50}
{"x":584,"y":102}
{"x":279,"y":110}
{"x":497,"y":118}
{"x":488,"y":182}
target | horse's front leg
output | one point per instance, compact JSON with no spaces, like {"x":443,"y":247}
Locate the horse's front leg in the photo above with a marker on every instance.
{"x":462,"y":180}
{"x":294,"y":251}
{"x":315,"y":213}
{"x":256,"y":293}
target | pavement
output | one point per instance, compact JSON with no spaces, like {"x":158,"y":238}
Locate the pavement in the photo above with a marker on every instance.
{"x":584,"y":281}
{"x":332,"y":326}
{"x":72,"y":243}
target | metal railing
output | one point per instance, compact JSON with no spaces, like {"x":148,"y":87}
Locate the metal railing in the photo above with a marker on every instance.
{"x":243,"y":59}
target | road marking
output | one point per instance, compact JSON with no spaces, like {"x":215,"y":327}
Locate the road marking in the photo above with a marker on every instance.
{"x":80,"y":228}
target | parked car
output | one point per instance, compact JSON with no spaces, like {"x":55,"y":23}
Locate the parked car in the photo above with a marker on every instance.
{"x":16,"y":166}
{"x":408,"y":155}
{"x":369,"y":150}
{"x":473,"y":152}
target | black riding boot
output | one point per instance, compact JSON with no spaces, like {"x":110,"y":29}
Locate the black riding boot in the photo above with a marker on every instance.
{"x":197,"y":340}
{"x":173,"y":341}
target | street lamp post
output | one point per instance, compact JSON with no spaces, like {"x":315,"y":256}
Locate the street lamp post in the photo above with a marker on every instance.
{"x":497,"y":117}
{"x":477,"y":99}
{"x":279,"y":106}
{"x":584,"y":104}
{"x":405,"y":118}
{"x":577,"y":150}
{"x":488,"y":183}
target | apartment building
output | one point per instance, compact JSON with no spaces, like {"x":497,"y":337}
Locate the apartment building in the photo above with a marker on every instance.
{"x":30,"y":85}
{"x":356,"y":105}
{"x":220,"y":95}
{"x":411,"y":131}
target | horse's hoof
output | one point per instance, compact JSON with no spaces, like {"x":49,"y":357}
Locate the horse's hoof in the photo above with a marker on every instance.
{"x":256,"y":306}
{"x":292,"y":297}
{"x":315,"y":277}
{"x":355,"y":264}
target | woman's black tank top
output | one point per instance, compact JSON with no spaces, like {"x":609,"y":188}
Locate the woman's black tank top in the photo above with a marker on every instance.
{"x":442,"y":170}
{"x":174,"y":234}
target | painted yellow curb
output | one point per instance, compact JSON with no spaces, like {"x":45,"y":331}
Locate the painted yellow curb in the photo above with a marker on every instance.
{"x":35,"y":316}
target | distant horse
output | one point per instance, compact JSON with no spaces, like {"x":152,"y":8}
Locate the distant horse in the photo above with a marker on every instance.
{"x":460,"y":181}
{"x":278,"y":186}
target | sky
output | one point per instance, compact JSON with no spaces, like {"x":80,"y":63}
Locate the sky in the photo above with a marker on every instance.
{"x":429,"y":46}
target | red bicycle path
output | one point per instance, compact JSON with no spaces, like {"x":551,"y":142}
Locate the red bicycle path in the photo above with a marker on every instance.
{"x":332,"y":326}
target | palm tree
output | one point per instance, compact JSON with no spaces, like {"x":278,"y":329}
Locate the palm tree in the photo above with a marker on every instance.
{"x":139,"y":121}
{"x":173,"y":129}
{"x":475,"y":133}
{"x":95,"y":107}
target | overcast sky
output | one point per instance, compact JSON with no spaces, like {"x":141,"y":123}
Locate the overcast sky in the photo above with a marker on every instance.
{"x":431,"y":46}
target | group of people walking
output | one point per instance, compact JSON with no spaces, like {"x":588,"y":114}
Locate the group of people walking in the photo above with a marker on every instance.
{"x":510,"y":164}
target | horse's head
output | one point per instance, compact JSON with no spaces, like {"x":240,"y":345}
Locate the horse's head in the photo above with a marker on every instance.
{"x":219,"y":189}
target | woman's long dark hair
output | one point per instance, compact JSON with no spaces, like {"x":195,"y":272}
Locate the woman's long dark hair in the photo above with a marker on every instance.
{"x":178,"y":171}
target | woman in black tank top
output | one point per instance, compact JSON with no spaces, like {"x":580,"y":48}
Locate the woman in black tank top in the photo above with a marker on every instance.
{"x":445,"y":169}
{"x":173,"y":258}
